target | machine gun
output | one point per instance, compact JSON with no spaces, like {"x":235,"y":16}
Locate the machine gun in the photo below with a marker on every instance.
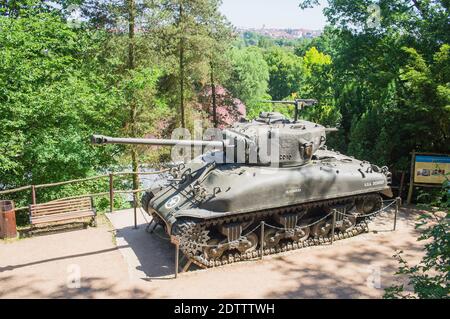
{"x":300,"y":104}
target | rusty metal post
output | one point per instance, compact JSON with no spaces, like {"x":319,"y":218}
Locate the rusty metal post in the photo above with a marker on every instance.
{"x":332,"y":226}
{"x":262,"y":239}
{"x":177,"y":254}
{"x":8,"y":227}
{"x":134,"y":208}
{"x":402,"y":181}
{"x":33,"y":194}
{"x":411,"y":178}
{"x":397,"y":207}
{"x":111,"y":192}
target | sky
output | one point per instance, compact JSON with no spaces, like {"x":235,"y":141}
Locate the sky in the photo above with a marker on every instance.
{"x":281,"y":14}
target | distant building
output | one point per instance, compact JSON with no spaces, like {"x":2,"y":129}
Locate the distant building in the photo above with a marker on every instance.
{"x":290,"y":34}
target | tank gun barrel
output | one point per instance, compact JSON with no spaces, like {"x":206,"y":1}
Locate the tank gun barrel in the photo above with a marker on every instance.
{"x":101,"y":139}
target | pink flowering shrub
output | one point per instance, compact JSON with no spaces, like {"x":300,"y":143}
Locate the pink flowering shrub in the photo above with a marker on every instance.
{"x":229,"y":109}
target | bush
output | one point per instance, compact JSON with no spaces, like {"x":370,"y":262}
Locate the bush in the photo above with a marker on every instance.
{"x":430,"y":278}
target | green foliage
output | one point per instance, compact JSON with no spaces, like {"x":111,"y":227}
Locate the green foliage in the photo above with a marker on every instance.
{"x":249,"y":77}
{"x":388,"y":81}
{"x":285,"y":71}
{"x":318,"y":82}
{"x":52,"y":98}
{"x":250,"y":38}
{"x":430,"y":278}
{"x":255,"y":39}
{"x":413,"y":100}
{"x":191,"y":37}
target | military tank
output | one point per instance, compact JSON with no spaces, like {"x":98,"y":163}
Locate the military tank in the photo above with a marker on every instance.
{"x":273,"y":170}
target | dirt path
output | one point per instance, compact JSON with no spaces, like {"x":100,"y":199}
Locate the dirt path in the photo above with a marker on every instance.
{"x":140,"y":265}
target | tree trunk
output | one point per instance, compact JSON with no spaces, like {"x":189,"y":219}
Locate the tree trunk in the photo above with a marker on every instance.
{"x":181,"y":66}
{"x":213,"y":95}
{"x":132,"y":102}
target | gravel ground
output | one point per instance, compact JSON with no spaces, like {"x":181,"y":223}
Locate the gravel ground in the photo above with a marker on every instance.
{"x":115,"y":260}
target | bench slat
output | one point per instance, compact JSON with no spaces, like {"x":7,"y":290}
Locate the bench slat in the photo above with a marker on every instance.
{"x":63,"y":213}
{"x":56,"y":210}
{"x":61,"y":210}
{"x":61,"y":203}
{"x":64,"y":216}
{"x":65,"y":200}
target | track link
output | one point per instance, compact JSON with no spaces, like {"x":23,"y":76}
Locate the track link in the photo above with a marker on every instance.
{"x":192,"y":236}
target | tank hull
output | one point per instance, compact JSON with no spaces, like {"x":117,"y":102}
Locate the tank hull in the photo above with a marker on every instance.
{"x":233,"y":189}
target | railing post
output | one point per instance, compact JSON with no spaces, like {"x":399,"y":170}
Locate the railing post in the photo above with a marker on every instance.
{"x":262,"y":239}
{"x":111,"y":192}
{"x":134,"y":208}
{"x":332,"y":226}
{"x":397,"y":206}
{"x":33,"y":194}
{"x":177,"y":254}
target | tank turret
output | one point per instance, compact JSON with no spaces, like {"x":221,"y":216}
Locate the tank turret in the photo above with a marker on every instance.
{"x":270,"y":139}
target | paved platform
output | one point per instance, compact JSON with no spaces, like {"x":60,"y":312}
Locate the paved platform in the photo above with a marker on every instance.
{"x":147,"y":255}
{"x":115,"y":260}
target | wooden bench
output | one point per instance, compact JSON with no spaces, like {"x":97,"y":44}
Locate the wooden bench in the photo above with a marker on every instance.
{"x":62,"y":211}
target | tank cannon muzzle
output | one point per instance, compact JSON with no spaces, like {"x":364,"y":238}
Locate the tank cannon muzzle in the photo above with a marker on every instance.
{"x":98,"y":139}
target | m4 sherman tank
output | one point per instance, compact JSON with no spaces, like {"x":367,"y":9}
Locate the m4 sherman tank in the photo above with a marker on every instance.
{"x":272,"y":170}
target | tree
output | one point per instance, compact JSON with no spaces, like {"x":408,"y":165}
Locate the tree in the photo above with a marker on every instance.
{"x":318,"y":83}
{"x":420,"y":23}
{"x":373,"y":88}
{"x":249,"y":76}
{"x":228,"y":108}
{"x":53,"y":96}
{"x":221,"y":33}
{"x":133,"y":121}
{"x":186,"y":32}
{"x":285,"y":71}
{"x":136,"y":66}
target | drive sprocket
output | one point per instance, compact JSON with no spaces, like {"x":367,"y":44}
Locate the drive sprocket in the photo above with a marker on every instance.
{"x":192,"y":237}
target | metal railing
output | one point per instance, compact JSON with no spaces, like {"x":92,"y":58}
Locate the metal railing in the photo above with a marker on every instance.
{"x":111,"y":191}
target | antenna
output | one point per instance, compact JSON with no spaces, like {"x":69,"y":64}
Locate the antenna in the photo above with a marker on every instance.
{"x":299,"y":104}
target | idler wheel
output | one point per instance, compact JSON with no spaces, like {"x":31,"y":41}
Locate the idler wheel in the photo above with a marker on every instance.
{"x":322,"y":228}
{"x":369,"y":204}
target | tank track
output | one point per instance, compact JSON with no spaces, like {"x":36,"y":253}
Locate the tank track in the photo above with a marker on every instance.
{"x":190,"y":233}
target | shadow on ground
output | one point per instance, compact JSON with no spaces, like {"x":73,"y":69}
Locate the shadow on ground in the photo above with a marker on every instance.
{"x":90,"y":288}
{"x":156,"y":259}
{"x":373,"y":267}
{"x":49,"y":260}
{"x":359,"y":267}
{"x":155,"y":253}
